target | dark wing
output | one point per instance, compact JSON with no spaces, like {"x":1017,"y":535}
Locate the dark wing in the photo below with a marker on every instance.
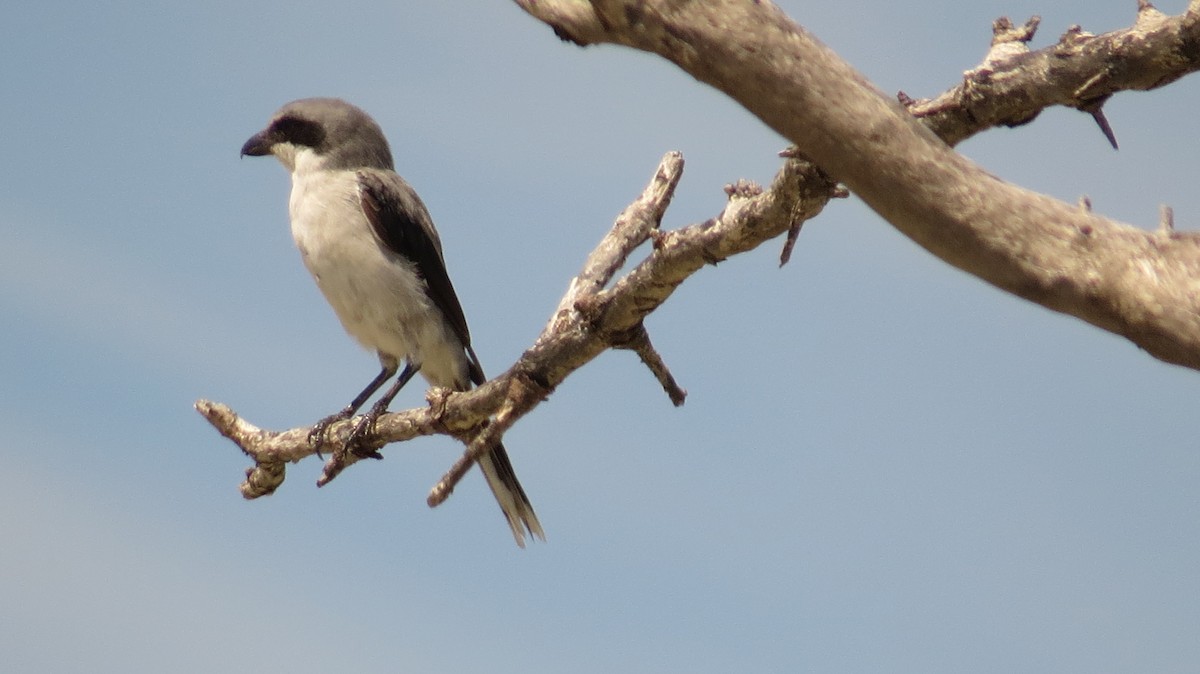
{"x":403,"y":225}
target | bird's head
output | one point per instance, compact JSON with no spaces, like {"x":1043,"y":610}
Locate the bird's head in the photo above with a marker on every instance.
{"x":322,"y":134}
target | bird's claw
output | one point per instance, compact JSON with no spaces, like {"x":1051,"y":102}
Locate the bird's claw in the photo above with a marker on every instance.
{"x":316,"y":436}
{"x":354,"y":442}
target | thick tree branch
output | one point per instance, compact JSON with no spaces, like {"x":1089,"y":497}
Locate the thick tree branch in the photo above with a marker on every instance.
{"x":1135,"y":283}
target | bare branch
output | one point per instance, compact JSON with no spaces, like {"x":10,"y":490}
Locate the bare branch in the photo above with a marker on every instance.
{"x":639,"y":342}
{"x":522,"y":396}
{"x":632,"y":228}
{"x":1117,"y":277}
{"x":1080,"y":71}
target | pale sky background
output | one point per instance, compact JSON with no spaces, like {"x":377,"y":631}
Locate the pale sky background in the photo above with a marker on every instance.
{"x":883,"y":464}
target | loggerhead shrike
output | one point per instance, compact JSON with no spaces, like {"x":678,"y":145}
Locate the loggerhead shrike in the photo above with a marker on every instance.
{"x":370,"y":244}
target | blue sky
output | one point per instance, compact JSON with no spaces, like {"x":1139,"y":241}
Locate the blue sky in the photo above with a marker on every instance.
{"x":883,"y":463}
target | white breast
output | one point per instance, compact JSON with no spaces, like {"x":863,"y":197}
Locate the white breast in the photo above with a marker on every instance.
{"x":376,"y":294}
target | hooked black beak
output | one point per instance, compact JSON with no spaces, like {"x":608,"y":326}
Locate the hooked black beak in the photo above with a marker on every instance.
{"x":258,"y":145}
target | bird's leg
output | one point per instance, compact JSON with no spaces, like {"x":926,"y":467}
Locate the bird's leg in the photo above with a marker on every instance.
{"x":316,"y":437}
{"x":367,"y":422}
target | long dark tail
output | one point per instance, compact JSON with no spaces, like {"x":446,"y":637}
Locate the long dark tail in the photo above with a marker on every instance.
{"x":500,"y":474}
{"x":512,"y":499}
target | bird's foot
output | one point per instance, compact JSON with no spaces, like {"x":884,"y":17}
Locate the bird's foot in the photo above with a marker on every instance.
{"x":316,"y":436}
{"x":362,"y":428}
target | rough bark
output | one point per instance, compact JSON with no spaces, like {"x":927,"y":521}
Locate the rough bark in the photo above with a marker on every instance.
{"x":1142,"y":285}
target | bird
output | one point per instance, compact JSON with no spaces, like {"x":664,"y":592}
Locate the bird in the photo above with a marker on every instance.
{"x":369,"y":242}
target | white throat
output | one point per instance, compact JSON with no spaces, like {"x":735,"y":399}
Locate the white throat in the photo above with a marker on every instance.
{"x":300,"y":161}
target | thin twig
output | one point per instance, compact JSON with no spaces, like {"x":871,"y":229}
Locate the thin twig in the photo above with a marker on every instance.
{"x":638,"y":341}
